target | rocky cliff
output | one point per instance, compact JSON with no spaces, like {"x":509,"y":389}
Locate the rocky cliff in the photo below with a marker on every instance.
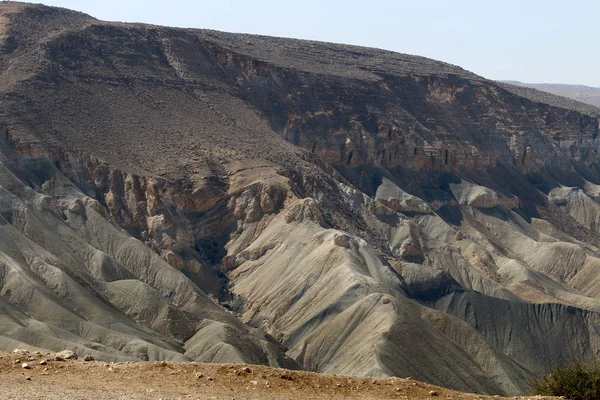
{"x":198,"y":195}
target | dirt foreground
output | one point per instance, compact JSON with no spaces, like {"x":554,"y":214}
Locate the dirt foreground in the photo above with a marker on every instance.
{"x":44,"y":378}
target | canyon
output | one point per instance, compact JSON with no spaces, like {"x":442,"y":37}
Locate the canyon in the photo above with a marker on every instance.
{"x":193,"y":195}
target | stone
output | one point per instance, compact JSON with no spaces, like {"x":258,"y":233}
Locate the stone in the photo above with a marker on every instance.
{"x":65,"y":355}
{"x":342,"y":240}
{"x":88,"y":358}
{"x":433,"y":393}
{"x":25,"y":366}
{"x":411,"y":248}
{"x":44,"y":362}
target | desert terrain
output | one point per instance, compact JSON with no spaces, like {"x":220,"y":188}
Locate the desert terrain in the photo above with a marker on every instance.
{"x":194,"y":196}
{"x":78,"y":379}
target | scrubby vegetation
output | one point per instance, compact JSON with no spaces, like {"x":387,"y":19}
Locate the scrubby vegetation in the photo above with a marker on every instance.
{"x":576,"y":381}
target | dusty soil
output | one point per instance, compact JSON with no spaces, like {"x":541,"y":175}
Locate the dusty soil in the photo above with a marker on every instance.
{"x":77,"y":379}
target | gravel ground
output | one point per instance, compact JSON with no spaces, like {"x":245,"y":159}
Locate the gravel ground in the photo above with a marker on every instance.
{"x":76,"y":379}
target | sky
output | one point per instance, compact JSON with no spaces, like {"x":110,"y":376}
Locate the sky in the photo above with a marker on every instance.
{"x":532,"y":41}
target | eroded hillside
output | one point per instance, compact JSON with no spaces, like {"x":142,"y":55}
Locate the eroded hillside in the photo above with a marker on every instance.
{"x":171,"y":194}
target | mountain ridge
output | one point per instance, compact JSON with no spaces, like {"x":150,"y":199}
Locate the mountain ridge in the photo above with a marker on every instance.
{"x":581,"y":93}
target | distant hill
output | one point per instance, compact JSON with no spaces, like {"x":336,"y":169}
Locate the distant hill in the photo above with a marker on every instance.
{"x":582,"y":93}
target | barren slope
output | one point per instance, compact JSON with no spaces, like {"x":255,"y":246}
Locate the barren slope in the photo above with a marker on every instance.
{"x":171,"y":194}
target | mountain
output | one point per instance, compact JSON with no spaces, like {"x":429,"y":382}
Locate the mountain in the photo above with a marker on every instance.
{"x":581,"y":93}
{"x":179,"y":194}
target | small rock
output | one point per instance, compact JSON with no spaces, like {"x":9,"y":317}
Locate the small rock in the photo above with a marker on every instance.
{"x":30,"y":358}
{"x":44,"y":362}
{"x":254,"y":382}
{"x":342,"y":240}
{"x":20,"y":351}
{"x":25,"y":366}
{"x":65,"y":355}
{"x":199,"y":375}
{"x":88,"y":358}
{"x":28,"y":378}
{"x":246,"y":369}
{"x":210,"y":378}
{"x":433,"y":393}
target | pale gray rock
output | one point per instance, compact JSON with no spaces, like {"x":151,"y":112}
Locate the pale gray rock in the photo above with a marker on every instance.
{"x":65,"y":355}
{"x":469,"y":194}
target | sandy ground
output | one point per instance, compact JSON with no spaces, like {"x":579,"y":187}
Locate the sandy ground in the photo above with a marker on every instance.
{"x":76,"y":379}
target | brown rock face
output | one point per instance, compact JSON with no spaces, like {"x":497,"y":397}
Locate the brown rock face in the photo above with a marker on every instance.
{"x":171,"y":194}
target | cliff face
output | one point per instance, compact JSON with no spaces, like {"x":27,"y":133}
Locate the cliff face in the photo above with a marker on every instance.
{"x":198,"y":195}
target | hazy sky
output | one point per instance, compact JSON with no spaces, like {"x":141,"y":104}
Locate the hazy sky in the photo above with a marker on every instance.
{"x":527,"y":40}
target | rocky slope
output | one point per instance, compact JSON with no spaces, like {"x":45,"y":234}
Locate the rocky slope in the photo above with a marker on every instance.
{"x":172,"y":194}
